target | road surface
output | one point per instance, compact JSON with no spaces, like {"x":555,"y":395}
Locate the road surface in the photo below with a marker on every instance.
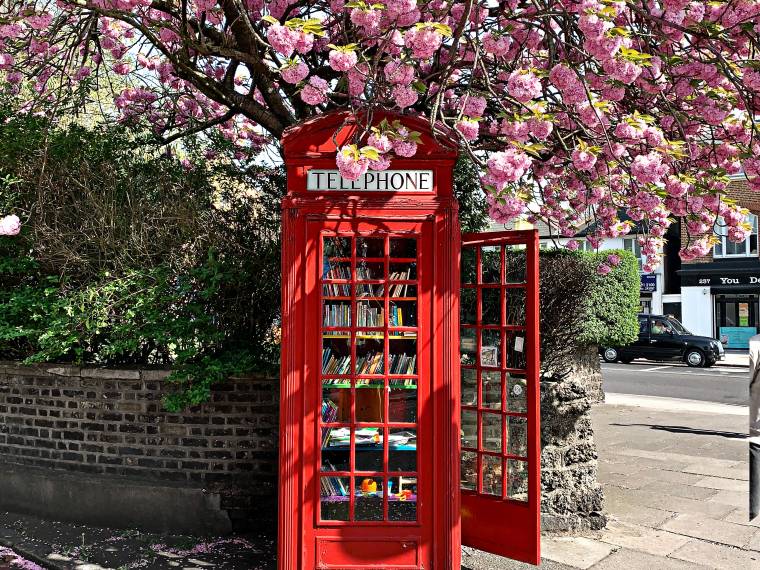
{"x":721,"y":384}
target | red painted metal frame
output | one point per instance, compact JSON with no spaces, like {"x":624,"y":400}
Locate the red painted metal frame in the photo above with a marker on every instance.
{"x":305,"y":543}
{"x":497,"y":524}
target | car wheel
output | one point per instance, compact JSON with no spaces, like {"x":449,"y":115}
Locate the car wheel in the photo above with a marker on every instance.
{"x":610,"y":355}
{"x":695,"y":358}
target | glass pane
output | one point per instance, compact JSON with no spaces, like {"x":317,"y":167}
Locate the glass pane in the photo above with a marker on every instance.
{"x":336,"y":449}
{"x":515,"y":264}
{"x":468,"y":268}
{"x":491,"y":389}
{"x":369,"y":290}
{"x":469,"y":306}
{"x":370,"y":314}
{"x":336,"y":401}
{"x":491,"y":299}
{"x":368,"y":505}
{"x":336,"y":314}
{"x":402,"y":271}
{"x":369,"y":401}
{"x":370,"y":270}
{"x":516,"y":307}
{"x":370,"y":348}
{"x":402,"y":404}
{"x":492,"y":434}
{"x":469,"y":387}
{"x":402,"y":450}
{"x":470,"y":429}
{"x":370,"y":247}
{"x":468,"y":346}
{"x":517,"y":436}
{"x":490,"y":261}
{"x":369,"y":449}
{"x":402,"y":499}
{"x":403,"y":247}
{"x":336,"y":270}
{"x":402,"y":357}
{"x":490,"y":348}
{"x":516,"y":350}
{"x":337,"y":247}
{"x":517,"y":480}
{"x":469,"y":475}
{"x":336,"y":353}
{"x":517,"y":393}
{"x":334,"y":498}
{"x":491,"y":467}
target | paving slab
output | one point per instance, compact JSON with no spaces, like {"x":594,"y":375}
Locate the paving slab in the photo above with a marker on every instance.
{"x":741,"y":516}
{"x":754,"y":542}
{"x":682,"y":490}
{"x":736,"y":499}
{"x":739,"y":471}
{"x":642,"y":538}
{"x":625,"y":559}
{"x":717,"y":556}
{"x":709,"y":529}
{"x":619,"y":505}
{"x":723,"y":484}
{"x":675,"y":504}
{"x":577,"y":552}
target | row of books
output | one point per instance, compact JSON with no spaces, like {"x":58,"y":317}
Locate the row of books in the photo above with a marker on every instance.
{"x":369,"y":316}
{"x":366,"y":273}
{"x":336,"y":290}
{"x":329,"y":414}
{"x":371,"y":363}
{"x":373,"y":383}
{"x":401,"y":275}
{"x":332,"y":364}
{"x":333,"y":487}
{"x":339,"y":271}
{"x":338,"y":315}
{"x":399,"y":290}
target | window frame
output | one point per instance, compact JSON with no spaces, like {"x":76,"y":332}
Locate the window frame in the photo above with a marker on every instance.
{"x":720,"y":249}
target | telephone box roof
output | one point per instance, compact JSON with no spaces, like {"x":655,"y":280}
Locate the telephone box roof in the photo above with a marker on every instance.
{"x":322,"y":135}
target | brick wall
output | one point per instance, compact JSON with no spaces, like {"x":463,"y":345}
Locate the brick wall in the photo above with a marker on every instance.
{"x":111,"y":423}
{"x":738,"y":190}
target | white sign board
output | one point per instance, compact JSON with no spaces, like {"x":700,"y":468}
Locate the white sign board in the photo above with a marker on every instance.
{"x":372,"y":181}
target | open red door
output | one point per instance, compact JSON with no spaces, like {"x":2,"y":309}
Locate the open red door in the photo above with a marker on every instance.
{"x":500,"y":456}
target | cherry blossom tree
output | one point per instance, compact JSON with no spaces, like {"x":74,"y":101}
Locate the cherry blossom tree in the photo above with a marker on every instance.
{"x":573,"y":109}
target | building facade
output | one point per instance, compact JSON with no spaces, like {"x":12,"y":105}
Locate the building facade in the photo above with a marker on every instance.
{"x":720,"y":291}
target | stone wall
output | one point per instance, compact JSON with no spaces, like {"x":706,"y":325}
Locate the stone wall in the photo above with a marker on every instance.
{"x":214,"y":466}
{"x":571,"y":495}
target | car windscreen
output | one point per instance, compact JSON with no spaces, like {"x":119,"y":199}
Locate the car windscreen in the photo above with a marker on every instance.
{"x":678,"y":327}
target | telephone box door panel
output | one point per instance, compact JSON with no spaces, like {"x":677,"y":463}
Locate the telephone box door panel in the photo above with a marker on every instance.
{"x":499,"y":353}
{"x":368,"y":447}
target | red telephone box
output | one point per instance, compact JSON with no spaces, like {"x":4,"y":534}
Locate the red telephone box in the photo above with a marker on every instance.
{"x":370,"y":387}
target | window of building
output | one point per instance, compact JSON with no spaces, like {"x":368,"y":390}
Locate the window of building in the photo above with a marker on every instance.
{"x":727,"y":248}
{"x":632,"y":244}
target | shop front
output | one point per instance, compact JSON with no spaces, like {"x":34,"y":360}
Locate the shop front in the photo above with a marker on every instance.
{"x":720,"y":299}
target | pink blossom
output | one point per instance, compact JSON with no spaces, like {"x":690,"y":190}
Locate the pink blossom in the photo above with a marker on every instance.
{"x":39,"y":21}
{"x":283,"y":39}
{"x":648,"y":168}
{"x":6,"y":61}
{"x":523,"y":85}
{"x":423,"y":42}
{"x":404,"y":96}
{"x":603,"y":269}
{"x":369,"y":20}
{"x":399,"y":73}
{"x":351,"y":166}
{"x":10,"y":225}
{"x":613,"y":259}
{"x":583,"y":159}
{"x":342,"y":60}
{"x":315,"y":91}
{"x":496,"y":45}
{"x":572,"y":245}
{"x":381,"y":142}
{"x":474,"y":106}
{"x":540,"y":128}
{"x":504,"y":209}
{"x":406,"y":149}
{"x":469,"y":129}
{"x":295,"y":73}
{"x":507,"y":166}
{"x":382,"y":163}
{"x":122,"y":68}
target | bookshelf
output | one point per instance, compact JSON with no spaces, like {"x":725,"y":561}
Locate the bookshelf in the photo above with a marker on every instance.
{"x":368,"y":463}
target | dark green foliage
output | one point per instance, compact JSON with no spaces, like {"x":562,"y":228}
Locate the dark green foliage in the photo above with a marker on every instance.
{"x":580,"y":308}
{"x":129,"y":258}
{"x":473,"y":213}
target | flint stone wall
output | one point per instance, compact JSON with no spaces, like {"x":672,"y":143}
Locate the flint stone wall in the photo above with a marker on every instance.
{"x":95,"y":445}
{"x":571,"y":495}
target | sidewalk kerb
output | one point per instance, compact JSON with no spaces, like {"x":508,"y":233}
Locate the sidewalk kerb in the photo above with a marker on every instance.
{"x":673,"y":404}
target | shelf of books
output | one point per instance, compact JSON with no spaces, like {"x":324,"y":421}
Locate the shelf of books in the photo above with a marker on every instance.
{"x":369,"y":382}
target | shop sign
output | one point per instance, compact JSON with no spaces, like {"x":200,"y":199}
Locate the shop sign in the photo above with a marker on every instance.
{"x":648,"y":283}
{"x":719,"y":280}
{"x":372,"y":181}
